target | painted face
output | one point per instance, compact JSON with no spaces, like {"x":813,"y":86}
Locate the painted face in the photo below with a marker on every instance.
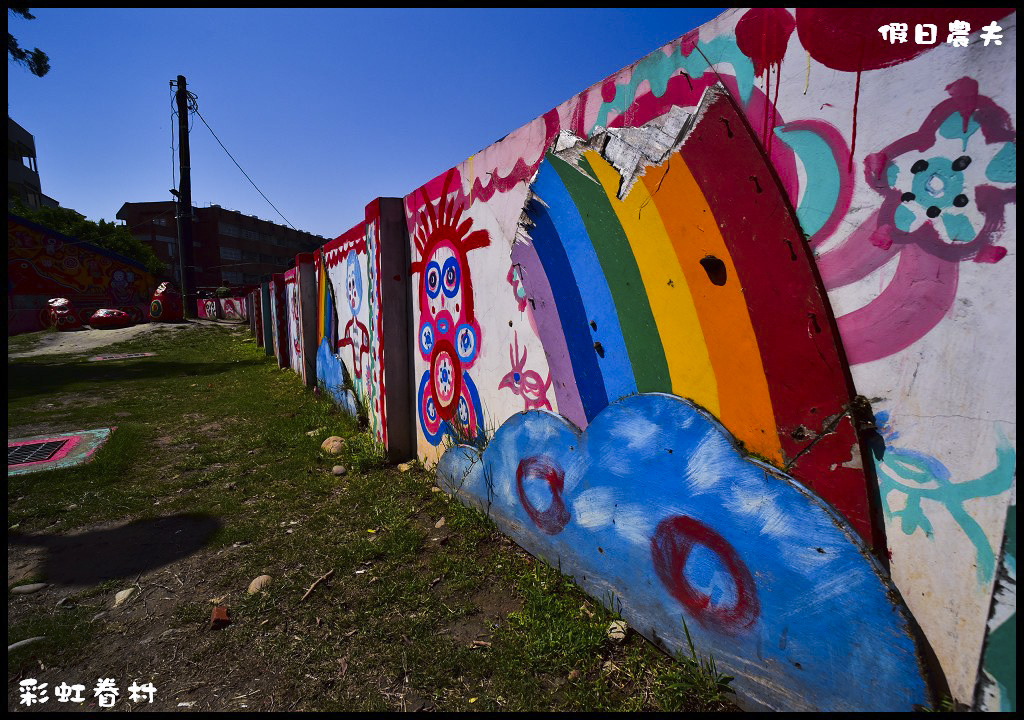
{"x":354,"y":284}
{"x":442,"y":284}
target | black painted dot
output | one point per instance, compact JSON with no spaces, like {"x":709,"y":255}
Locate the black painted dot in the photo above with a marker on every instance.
{"x":961,"y":162}
{"x":960,"y":200}
{"x":908,"y":196}
{"x":932,"y":212}
{"x":919,"y":166}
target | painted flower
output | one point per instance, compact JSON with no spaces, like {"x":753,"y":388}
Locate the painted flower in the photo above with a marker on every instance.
{"x":945,"y":186}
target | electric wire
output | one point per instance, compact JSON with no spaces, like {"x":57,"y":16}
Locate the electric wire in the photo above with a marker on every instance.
{"x":194,"y":107}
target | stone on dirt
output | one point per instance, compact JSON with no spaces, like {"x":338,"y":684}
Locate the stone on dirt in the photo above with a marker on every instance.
{"x":333,"y":445}
{"x":617,"y":631}
{"x":339,"y":470}
{"x":28,"y":589}
{"x":123,"y":596}
{"x":258,"y":584}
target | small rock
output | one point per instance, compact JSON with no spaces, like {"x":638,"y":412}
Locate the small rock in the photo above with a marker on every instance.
{"x":23,"y":643}
{"x":258,"y":584}
{"x":339,"y":470}
{"x":333,"y":445}
{"x":617,"y":631}
{"x":123,"y":596}
{"x":406,"y":466}
{"x":219,"y":617}
{"x":28,"y":589}
{"x":439,"y":523}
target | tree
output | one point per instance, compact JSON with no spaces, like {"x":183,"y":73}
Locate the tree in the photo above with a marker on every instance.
{"x":35,"y":60}
{"x":107,"y":235}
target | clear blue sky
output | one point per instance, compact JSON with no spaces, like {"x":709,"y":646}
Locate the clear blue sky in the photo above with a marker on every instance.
{"x":324,"y":109}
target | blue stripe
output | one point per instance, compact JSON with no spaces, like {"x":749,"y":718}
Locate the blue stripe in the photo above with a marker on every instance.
{"x":546,"y":242}
{"x":598,"y":304}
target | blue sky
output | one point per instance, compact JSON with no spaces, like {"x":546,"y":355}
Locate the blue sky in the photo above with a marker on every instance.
{"x":324,"y":109}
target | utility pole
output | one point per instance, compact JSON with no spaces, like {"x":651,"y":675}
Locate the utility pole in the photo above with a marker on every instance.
{"x":184,"y":205}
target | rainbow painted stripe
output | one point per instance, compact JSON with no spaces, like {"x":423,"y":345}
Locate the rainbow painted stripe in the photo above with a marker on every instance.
{"x":697,"y":283}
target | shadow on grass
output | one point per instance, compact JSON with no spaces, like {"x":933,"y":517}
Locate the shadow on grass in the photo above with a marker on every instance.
{"x":27,"y":379}
{"x":126,"y":551}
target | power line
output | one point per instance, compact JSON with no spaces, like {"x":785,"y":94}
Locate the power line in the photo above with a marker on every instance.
{"x":194,"y":106}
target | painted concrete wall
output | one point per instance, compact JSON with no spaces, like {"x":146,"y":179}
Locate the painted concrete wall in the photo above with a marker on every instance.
{"x":279,"y":319}
{"x":43,"y":264}
{"x":757,"y":291}
{"x":730,"y":338}
{"x":362,"y":311}
{"x":266,"y":319}
{"x":306,"y":283}
{"x":343,"y":320}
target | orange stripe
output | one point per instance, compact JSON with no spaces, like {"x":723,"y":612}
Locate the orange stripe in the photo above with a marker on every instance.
{"x":746,"y":406}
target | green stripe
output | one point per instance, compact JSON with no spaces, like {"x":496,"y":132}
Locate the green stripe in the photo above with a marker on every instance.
{"x":643,"y":343}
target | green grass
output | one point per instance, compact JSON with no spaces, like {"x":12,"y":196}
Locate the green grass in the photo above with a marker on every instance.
{"x":211,"y":426}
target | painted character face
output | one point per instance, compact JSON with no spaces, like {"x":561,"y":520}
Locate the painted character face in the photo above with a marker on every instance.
{"x":442,"y":286}
{"x":353,"y":283}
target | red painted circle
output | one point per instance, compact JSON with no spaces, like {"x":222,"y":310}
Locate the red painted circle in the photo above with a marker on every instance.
{"x":673,"y":540}
{"x":553,"y":520}
{"x":444,"y":356}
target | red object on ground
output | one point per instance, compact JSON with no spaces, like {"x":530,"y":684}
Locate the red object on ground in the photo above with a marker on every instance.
{"x":219,"y":617}
{"x":63,"y":315}
{"x":166,"y":305}
{"x":107,"y":318}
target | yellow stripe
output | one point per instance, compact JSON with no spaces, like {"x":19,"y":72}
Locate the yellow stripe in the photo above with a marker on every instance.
{"x":668,"y":293}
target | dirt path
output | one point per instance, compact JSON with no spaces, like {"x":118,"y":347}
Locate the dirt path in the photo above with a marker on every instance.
{"x":82,"y":341}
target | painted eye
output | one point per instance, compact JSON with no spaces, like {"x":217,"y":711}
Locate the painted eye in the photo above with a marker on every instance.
{"x":433,"y":279}
{"x":451,"y":277}
{"x":517,"y":378}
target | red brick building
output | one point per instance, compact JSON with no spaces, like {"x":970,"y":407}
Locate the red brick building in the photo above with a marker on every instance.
{"x":228,"y":247}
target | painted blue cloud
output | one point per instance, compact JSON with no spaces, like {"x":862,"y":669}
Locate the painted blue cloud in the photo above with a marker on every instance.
{"x":332,"y":374}
{"x":655,"y":507}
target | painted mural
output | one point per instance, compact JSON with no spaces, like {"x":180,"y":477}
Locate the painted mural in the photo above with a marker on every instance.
{"x":375,"y":382}
{"x":232,"y":308}
{"x":448,"y":334}
{"x":42,"y":264}
{"x":279,"y":321}
{"x":291,"y":310}
{"x":738,"y":296}
{"x":344,"y":360}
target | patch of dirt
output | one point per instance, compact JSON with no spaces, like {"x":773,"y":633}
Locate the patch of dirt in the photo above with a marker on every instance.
{"x":492,"y":607}
{"x":82,"y":341}
{"x":160,"y":634}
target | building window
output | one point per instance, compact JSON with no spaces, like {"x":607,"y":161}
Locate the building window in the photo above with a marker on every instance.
{"x":230,"y":253}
